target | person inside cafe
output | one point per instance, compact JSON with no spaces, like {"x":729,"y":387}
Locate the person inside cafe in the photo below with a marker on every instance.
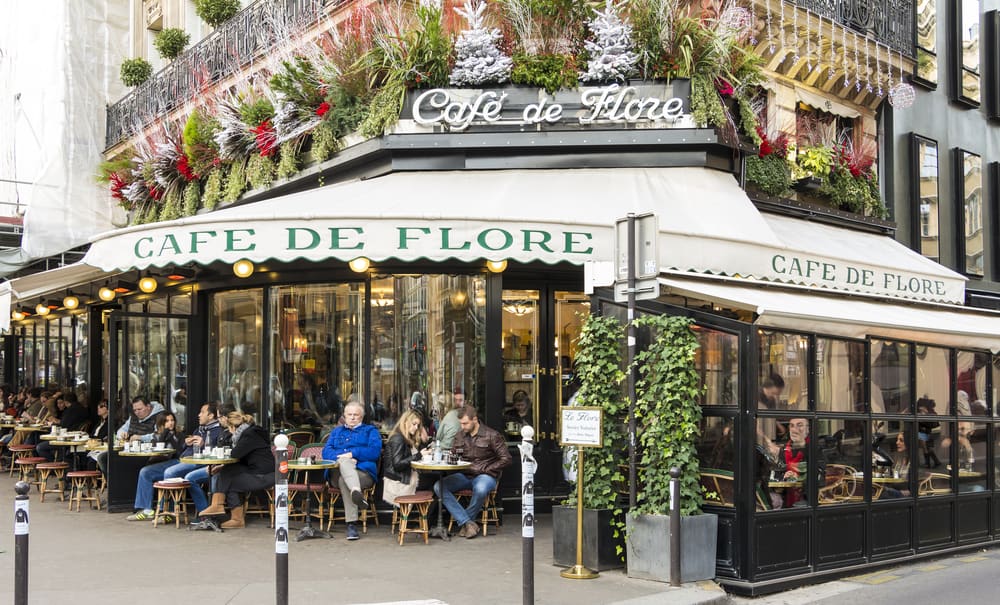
{"x":254,"y":470}
{"x":72,"y":416}
{"x":794,"y":456}
{"x":207,"y":434}
{"x":406,"y":443}
{"x":487,"y":451}
{"x":167,"y":434}
{"x":519,"y":414}
{"x":140,"y":426}
{"x":100,"y":433}
{"x":357,"y":448}
{"x":450,"y":426}
{"x":925,"y":432}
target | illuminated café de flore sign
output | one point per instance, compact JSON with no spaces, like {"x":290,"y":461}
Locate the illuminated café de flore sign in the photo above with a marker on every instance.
{"x":297,"y":235}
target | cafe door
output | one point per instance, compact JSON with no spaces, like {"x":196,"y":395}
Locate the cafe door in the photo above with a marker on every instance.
{"x":539,"y":331}
{"x":148,"y":357}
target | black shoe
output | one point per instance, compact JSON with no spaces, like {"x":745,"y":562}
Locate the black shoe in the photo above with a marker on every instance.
{"x":359,"y":499}
{"x":352,"y":530}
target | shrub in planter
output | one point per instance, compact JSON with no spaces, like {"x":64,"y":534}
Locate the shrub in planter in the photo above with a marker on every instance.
{"x":171,"y":42}
{"x":135,"y":71}
{"x":551,"y":72}
{"x":768,"y":170}
{"x":216,"y":12}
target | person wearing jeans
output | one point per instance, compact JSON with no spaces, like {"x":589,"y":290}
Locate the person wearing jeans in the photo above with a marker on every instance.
{"x":357,"y":448}
{"x":487,"y":451}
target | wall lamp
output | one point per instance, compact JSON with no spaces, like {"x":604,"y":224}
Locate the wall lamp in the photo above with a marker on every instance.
{"x":106,"y":293}
{"x":148,"y":284}
{"x":496,"y":266}
{"x":42,"y":309}
{"x":359,"y":264}
{"x":71,"y":301}
{"x":243,"y":268}
{"x":19,"y":315}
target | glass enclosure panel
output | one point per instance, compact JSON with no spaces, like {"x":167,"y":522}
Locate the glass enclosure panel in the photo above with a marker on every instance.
{"x":972,"y":203}
{"x":840,"y":375}
{"x":235,"y":334}
{"x":971,"y":454}
{"x":933,"y":443}
{"x":153,"y":363}
{"x":316,"y":348}
{"x":995,"y":402}
{"x":718,"y":362}
{"x":840,"y":446}
{"x":716,"y":459}
{"x":782,"y":463}
{"x":429,"y":342}
{"x":784,"y":375}
{"x":970,"y":384}
{"x":996,"y":461}
{"x":927,"y":187}
{"x":520,"y":358}
{"x":933,"y":385}
{"x":927,"y":68}
{"x":80,"y":354}
{"x":890,"y":378}
{"x":891,"y":470}
{"x":180,"y":304}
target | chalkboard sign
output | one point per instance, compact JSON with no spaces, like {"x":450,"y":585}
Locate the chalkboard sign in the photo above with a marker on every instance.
{"x":581,"y":427}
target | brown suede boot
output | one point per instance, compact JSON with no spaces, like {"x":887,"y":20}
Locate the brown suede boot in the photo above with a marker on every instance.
{"x":217,"y":507}
{"x":235,"y":519}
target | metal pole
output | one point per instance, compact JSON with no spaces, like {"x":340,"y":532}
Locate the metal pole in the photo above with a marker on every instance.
{"x":21,"y":543}
{"x":281,"y":518}
{"x":630,"y":356}
{"x":578,"y":571}
{"x":675,"y":526}
{"x":527,"y":516}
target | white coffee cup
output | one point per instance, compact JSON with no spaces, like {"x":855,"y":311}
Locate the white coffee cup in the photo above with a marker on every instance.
{"x":160,"y":445}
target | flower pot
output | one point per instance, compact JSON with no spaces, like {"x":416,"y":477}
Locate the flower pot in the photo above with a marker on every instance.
{"x":648,"y":547}
{"x":599,"y":543}
{"x":809,"y":184}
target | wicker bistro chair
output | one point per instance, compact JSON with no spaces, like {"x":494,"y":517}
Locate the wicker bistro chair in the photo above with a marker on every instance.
{"x":85,"y":487}
{"x":52,"y":469}
{"x":718,"y":486}
{"x":19,"y":450}
{"x":171,"y":499}
{"x":313,"y":485}
{"x":490,"y":512}
{"x":364,"y":513}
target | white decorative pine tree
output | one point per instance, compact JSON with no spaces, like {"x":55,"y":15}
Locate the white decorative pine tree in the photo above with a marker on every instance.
{"x":611,"y":54}
{"x":477,"y":59}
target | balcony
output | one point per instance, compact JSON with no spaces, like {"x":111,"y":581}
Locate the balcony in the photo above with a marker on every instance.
{"x":248,"y":35}
{"x":888,"y":22}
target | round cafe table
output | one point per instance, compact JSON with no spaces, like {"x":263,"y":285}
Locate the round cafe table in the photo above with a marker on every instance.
{"x":71,"y":443}
{"x":441,"y":469}
{"x":149,"y":454}
{"x":308,"y":531}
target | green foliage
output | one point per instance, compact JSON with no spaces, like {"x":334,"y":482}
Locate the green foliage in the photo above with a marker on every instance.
{"x":213,"y":189}
{"x":324,"y":142}
{"x":669,"y":389}
{"x":551,"y":72}
{"x":546,"y":27}
{"x":706,"y":105}
{"x":346,"y":111}
{"x":770,"y":174}
{"x":288,"y":162}
{"x":383,"y":111}
{"x":855,"y":194}
{"x":216,"y":12}
{"x":135,"y":71}
{"x":430,"y":49}
{"x":236,"y":182}
{"x":105,"y":169}
{"x":599,"y":367}
{"x":748,"y":120}
{"x":255,"y":112}
{"x":199,"y":141}
{"x":171,"y":42}
{"x":299,"y":81}
{"x":171,"y":208}
{"x":260,"y":171}
{"x":813,"y":161}
{"x":192,"y":198}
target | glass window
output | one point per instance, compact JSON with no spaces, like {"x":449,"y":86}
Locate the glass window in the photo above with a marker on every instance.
{"x":996,"y":463}
{"x":840,"y":465}
{"x":890,"y":377}
{"x":933,"y":443}
{"x":996,"y":389}
{"x":784,"y":374}
{"x":971,"y":191}
{"x":716,"y":457}
{"x":926,"y":194}
{"x":967,"y":37}
{"x":782,"y":462}
{"x":427,"y":342}
{"x":235,"y":335}
{"x":180,"y":304}
{"x":80,"y":357}
{"x":933,"y":379}
{"x":927,"y":61}
{"x":840,"y":375}
{"x":717,"y":360}
{"x":315,"y":353}
{"x":971,"y":454}
{"x":970,"y":384}
{"x":892,"y":443}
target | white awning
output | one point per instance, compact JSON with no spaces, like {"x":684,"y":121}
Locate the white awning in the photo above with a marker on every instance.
{"x":567,"y":215}
{"x":818,"y":101}
{"x":850,"y":317}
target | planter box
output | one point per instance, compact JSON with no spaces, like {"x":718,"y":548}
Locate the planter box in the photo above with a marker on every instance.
{"x":599,"y":543}
{"x":648,"y":547}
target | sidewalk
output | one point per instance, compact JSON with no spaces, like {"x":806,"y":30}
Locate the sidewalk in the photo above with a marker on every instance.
{"x":94,"y":558}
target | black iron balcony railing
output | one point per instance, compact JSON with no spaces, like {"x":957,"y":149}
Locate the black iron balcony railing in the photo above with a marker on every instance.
{"x":249,"y":34}
{"x":889,"y":22}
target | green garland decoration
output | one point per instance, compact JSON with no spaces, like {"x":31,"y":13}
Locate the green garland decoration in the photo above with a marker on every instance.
{"x":236,"y":182}
{"x":213,"y":189}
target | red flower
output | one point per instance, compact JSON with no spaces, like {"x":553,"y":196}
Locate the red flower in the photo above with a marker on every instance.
{"x":265,"y":138}
{"x":185,"y":169}
{"x":155,"y":193}
{"x":117,"y":184}
{"x":765,"y":148}
{"x":725,"y":88}
{"x":322,"y":109}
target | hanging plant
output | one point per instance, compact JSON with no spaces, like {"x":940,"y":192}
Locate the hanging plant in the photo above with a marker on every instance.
{"x":171,"y":42}
{"x":216,"y":12}
{"x":768,"y":170}
{"x":288,"y":159}
{"x":192,"y":198}
{"x":260,"y":171}
{"x":213,"y":189}
{"x":171,"y":208}
{"x":135,"y":71}
{"x":236,"y":182}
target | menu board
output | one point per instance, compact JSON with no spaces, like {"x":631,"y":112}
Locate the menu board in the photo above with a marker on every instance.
{"x":580,"y":427}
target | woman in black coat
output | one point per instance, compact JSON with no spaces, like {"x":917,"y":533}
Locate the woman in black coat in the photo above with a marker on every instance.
{"x":404,"y":446}
{"x":253,"y":471}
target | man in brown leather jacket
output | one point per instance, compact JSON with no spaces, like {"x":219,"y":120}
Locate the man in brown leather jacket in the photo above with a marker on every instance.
{"x":486,"y":449}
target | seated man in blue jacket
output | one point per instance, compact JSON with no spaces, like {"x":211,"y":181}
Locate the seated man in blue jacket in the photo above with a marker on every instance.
{"x":357,"y":447}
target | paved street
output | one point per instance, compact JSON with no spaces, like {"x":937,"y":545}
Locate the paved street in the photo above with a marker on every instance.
{"x":95,"y":557}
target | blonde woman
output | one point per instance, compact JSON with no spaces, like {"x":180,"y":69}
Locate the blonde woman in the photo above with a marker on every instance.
{"x":404,"y":446}
{"x":253,"y":471}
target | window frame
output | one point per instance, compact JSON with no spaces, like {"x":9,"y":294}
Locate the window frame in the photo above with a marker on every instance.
{"x":958,"y":68}
{"x":916,"y":177}
{"x":961,"y":193}
{"x":915,"y":76}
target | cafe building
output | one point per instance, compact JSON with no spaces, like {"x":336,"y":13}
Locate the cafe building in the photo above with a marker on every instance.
{"x":460,"y":252}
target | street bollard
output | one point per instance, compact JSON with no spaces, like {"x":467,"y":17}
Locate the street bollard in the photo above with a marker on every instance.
{"x":675,"y":526}
{"x":21,"y":543}
{"x":281,"y":518}
{"x":527,"y":516}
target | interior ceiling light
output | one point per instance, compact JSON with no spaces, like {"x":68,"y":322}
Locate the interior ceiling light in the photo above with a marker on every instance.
{"x":106,"y":294}
{"x":496,"y":266}
{"x":148,"y":284}
{"x":243,"y":268}
{"x":359,"y":264}
{"x":71,"y":301}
